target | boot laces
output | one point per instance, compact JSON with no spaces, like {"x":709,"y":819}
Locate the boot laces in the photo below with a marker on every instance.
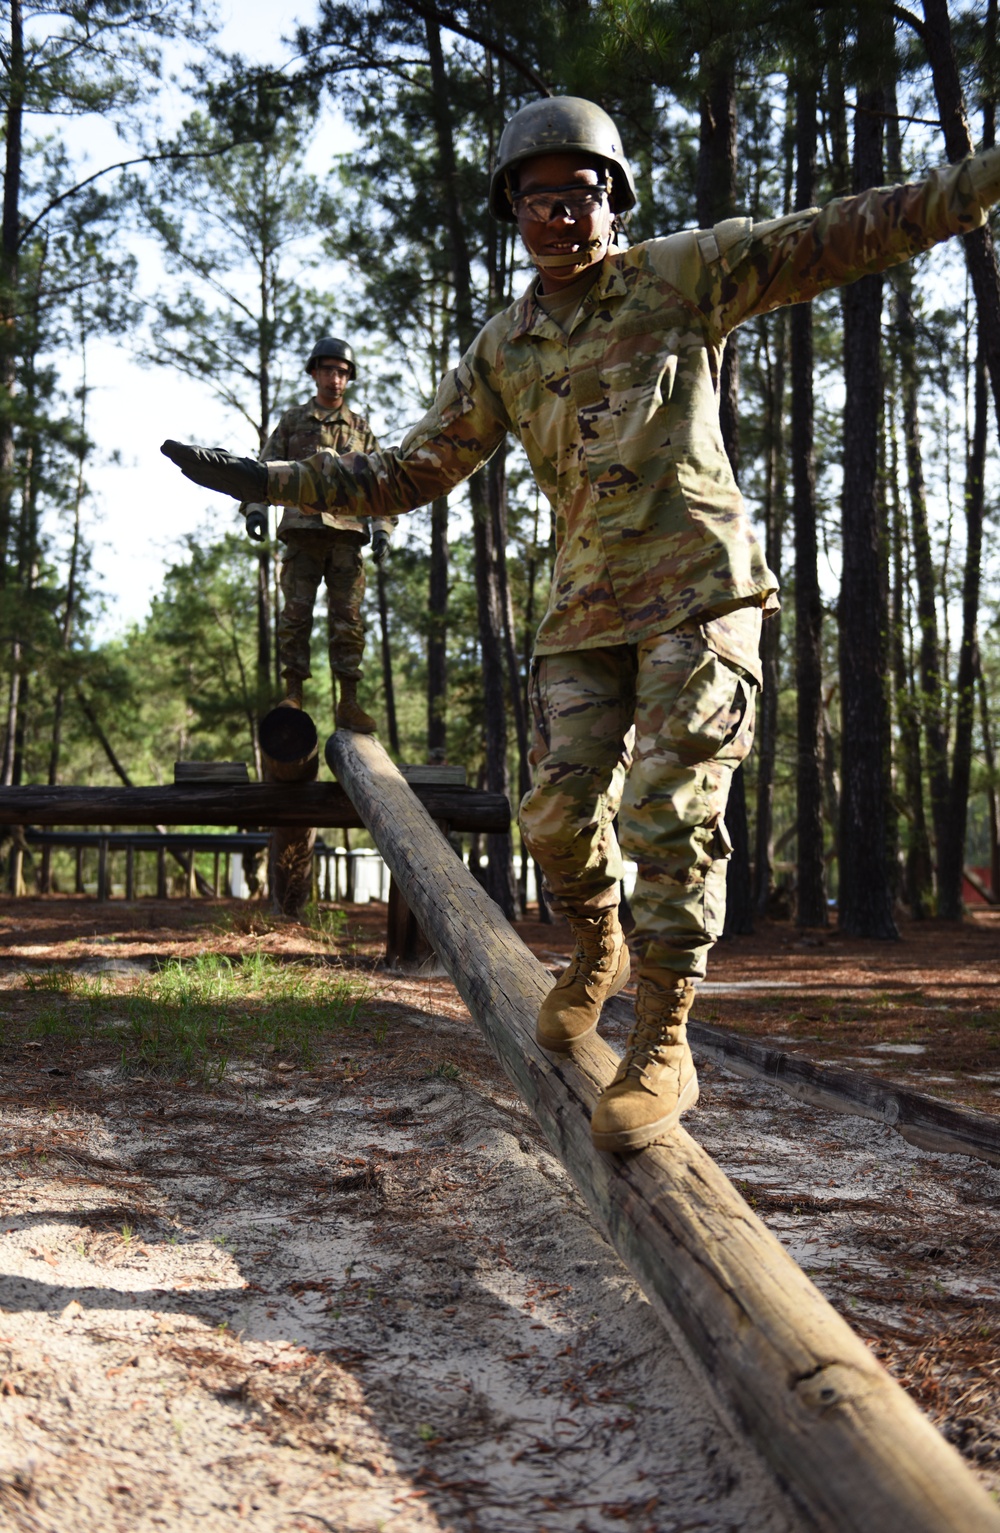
{"x":659,"y":1021}
{"x":594,"y":954}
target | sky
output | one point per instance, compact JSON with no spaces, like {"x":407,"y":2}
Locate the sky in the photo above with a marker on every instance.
{"x":141,"y":507}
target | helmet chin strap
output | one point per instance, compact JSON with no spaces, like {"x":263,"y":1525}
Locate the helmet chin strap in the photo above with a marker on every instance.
{"x":571,"y":260}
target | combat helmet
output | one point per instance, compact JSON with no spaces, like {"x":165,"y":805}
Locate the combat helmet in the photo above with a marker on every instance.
{"x":560,"y":125}
{"x":329,"y":346}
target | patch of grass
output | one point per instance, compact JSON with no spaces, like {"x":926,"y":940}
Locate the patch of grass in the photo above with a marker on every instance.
{"x":329,"y":924}
{"x":193,"y":1016}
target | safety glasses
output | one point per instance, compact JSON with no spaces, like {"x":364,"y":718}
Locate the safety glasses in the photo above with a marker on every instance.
{"x":574,"y":202}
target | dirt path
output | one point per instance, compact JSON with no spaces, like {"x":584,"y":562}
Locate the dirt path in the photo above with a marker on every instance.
{"x":363,"y":1295}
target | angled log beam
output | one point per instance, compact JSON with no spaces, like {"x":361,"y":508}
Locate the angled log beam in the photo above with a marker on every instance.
{"x":251,"y":804}
{"x":785,"y":1368}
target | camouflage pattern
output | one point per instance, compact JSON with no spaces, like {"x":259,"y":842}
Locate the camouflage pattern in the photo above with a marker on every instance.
{"x":620,"y":419}
{"x":310,"y":557}
{"x":309,"y":428}
{"x":652,"y":733}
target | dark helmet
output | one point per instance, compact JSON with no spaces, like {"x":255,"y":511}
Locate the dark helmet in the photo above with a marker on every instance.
{"x":329,"y":346}
{"x":560,"y":125}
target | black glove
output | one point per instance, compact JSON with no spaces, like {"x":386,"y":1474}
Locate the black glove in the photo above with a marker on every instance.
{"x":216,"y":469}
{"x":257,"y":524}
{"x":380,"y":546}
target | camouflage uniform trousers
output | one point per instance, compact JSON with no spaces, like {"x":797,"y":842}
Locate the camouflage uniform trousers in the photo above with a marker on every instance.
{"x":309,"y":558}
{"x":650,"y":732}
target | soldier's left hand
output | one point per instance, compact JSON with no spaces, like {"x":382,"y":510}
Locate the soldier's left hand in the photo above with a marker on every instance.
{"x":216,"y":469}
{"x":380,"y":546}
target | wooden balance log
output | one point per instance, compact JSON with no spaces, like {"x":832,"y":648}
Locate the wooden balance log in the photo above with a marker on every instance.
{"x":289,"y":746}
{"x":847,"y":1442}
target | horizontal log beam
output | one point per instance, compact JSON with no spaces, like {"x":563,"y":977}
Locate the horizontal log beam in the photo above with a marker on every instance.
{"x":319,"y":804}
{"x":784,"y":1367}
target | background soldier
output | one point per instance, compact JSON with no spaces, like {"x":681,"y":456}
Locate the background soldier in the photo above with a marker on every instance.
{"x":646,"y":662}
{"x":325,"y":548}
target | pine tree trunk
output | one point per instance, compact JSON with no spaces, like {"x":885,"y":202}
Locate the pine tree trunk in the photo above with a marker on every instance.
{"x":515,"y":678}
{"x":979,"y":248}
{"x":770,"y":640}
{"x":500,"y":874}
{"x":10,"y":237}
{"x":865,"y":893}
{"x":811,"y":905}
{"x":388,"y":688}
{"x":951,"y":857}
{"x":437,"y":635}
{"x":716,"y":199}
{"x":993,"y":804}
{"x":918,"y":870}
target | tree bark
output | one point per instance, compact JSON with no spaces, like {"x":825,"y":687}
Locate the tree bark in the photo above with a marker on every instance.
{"x":811,"y":905}
{"x":500,"y":871}
{"x":951,"y":855}
{"x":10,"y":244}
{"x":978,"y":247}
{"x":500,"y":874}
{"x":437,"y":635}
{"x":919,"y":871}
{"x":865,"y":893}
{"x":993,"y":804}
{"x":770,"y":640}
{"x":716,"y":199}
{"x":388,"y":687}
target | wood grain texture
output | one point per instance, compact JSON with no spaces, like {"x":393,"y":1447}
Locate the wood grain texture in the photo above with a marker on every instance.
{"x":853,"y":1449}
{"x":249,"y":804}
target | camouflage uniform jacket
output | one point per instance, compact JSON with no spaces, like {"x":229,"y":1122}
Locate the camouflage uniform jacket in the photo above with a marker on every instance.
{"x":307,"y":429}
{"x":620,"y":418}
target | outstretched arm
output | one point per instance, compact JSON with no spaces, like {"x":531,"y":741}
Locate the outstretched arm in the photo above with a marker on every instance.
{"x":752,"y":268}
{"x":463,"y":428}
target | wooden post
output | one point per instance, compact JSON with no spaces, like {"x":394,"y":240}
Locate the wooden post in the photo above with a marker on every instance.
{"x":78,"y":884}
{"x":289,"y":745}
{"x":192,"y":881}
{"x":161,"y":873}
{"x":215,"y":877}
{"x":786,"y":1370}
{"x":102,"y":869}
{"x":130,"y":872}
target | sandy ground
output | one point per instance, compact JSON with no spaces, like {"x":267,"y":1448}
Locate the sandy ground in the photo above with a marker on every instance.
{"x":363,"y":1295}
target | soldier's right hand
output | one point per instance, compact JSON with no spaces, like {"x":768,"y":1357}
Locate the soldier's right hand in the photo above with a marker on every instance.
{"x":216,"y":469}
{"x":256,"y":521}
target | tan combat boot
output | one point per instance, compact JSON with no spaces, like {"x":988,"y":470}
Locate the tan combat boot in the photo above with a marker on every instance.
{"x":656,"y":1080}
{"x":293,"y":691}
{"x":350,"y":714}
{"x":598,"y":969}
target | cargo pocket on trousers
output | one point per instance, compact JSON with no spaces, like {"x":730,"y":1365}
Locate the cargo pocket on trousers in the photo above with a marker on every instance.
{"x":721,"y":848}
{"x":539,"y":714}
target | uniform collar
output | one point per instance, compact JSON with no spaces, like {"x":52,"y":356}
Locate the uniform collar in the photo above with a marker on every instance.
{"x":531,"y":319}
{"x":341,"y":414}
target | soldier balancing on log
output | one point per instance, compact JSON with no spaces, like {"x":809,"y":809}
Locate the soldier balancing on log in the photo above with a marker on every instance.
{"x":326,"y":547}
{"x":646,"y":665}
